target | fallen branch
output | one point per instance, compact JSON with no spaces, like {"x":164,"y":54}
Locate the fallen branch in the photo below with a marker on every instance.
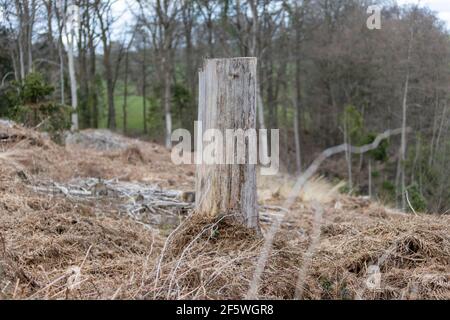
{"x":312,"y":169}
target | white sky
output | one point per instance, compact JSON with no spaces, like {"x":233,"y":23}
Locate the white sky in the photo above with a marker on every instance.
{"x":441,"y":7}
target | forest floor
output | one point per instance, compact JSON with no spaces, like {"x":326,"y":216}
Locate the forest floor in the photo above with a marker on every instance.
{"x":107,"y":217}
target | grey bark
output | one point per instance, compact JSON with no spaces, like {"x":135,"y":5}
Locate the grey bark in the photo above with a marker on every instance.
{"x":167,"y":108}
{"x":70,"y":42}
{"x":125,"y":93}
{"x":227,"y":100}
{"x":348,"y":155}
{"x":370,"y":177}
{"x":401,"y":164}
{"x":144,"y":86}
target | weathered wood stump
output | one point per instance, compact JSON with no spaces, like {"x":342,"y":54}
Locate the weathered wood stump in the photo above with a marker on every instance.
{"x":227,"y":100}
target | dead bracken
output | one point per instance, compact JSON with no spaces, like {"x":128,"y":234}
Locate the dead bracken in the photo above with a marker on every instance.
{"x":67,"y":231}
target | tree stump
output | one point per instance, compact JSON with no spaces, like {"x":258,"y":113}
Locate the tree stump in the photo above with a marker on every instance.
{"x":227,"y":100}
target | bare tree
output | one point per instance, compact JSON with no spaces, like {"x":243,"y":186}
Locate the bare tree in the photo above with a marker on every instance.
{"x":106,"y":19}
{"x":161,"y":19}
{"x":60,"y":46}
{"x":26,"y":14}
{"x":125,"y":85}
{"x":66,"y":13}
{"x":401,"y":175}
{"x":144,"y":84}
{"x":69,"y":13}
{"x":21,"y":17}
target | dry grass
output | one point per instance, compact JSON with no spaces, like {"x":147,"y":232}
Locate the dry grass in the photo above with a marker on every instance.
{"x":46,"y":238}
{"x":408,"y":250}
{"x":279,"y":187}
{"x":52,"y":247}
{"x":214,"y":259}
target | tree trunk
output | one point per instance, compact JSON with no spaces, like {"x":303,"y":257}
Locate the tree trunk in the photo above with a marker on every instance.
{"x":297,"y":116}
{"x":441,"y":126}
{"x":21,"y":61}
{"x":144,"y":87}
{"x":59,"y":16}
{"x":93,"y":100}
{"x":433,"y":135}
{"x":298,"y":158}
{"x":125,"y":93}
{"x":402,"y":158}
{"x":83,"y":74}
{"x":370,"y":178}
{"x":61,"y":71}
{"x":111,"y":108}
{"x":227,"y":100}
{"x":73,"y":79}
{"x":50,"y":39}
{"x":348,"y":154}
{"x":297,"y":90}
{"x":167,"y":108}
{"x":14,"y":63}
{"x":401,"y":161}
{"x":263,"y":143}
{"x":109,"y":88}
{"x":30,"y":10}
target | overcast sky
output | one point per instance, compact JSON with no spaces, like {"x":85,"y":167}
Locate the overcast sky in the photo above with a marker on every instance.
{"x":442,"y":7}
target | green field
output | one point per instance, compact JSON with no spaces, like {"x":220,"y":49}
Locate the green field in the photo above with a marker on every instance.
{"x":135,"y":116}
{"x":135,"y":121}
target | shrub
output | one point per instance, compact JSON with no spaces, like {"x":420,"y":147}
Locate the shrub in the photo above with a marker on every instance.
{"x":33,"y":109}
{"x":417,"y":200}
{"x":381,"y":152}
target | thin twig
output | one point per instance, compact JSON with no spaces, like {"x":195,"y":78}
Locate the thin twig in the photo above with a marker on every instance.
{"x":409,"y":203}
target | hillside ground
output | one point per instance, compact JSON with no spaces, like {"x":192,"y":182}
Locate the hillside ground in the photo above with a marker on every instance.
{"x":107,"y":217}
